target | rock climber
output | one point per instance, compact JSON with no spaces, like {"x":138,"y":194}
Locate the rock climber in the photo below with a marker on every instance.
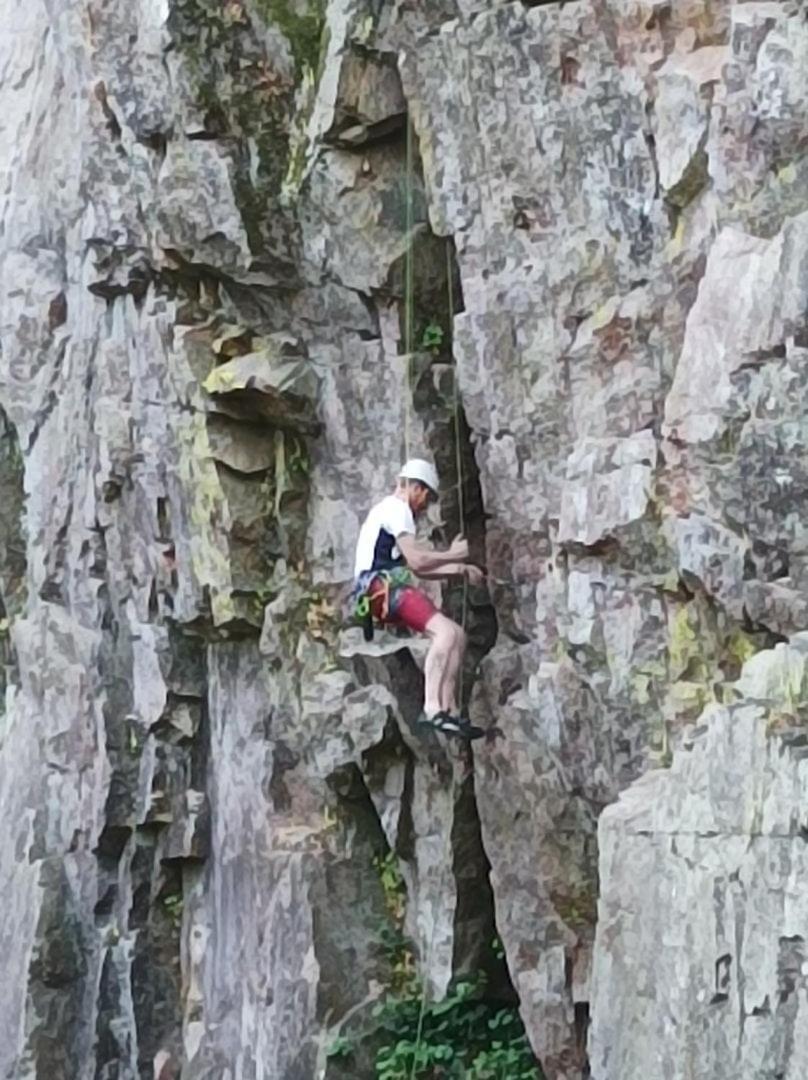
{"x":388,"y":556}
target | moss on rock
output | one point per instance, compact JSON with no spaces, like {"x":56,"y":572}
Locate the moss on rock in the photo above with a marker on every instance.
{"x":303,"y":31}
{"x":246,"y":95}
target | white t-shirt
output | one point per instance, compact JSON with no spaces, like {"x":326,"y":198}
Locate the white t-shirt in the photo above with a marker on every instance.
{"x":376,"y":548}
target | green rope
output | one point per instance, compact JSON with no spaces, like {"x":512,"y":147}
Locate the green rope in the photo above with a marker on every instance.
{"x":461,"y":494}
{"x":409,"y":302}
{"x":409,"y":289}
{"x":422,"y":1011}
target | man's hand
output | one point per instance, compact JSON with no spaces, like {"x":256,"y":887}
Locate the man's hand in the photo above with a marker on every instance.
{"x":474,"y":575}
{"x":459,"y":549}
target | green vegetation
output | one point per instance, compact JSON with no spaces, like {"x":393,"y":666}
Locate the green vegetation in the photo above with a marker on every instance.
{"x":303,"y":32}
{"x":246,"y":93}
{"x":241,"y":95}
{"x":173,"y":906}
{"x":463,"y":1037}
{"x":404,"y":980}
{"x":393,"y":887}
{"x":432,"y":338}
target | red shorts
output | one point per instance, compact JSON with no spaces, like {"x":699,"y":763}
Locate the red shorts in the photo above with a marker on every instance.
{"x":412,"y":608}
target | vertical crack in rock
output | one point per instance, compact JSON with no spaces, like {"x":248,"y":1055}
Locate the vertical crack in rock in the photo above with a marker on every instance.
{"x":12,"y":545}
{"x":58,"y":1035}
{"x":437,"y":402}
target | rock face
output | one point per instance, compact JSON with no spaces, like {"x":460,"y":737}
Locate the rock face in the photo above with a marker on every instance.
{"x":706,"y":937}
{"x":211,"y":364}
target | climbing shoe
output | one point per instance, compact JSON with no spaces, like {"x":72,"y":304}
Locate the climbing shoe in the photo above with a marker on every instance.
{"x":451,"y":725}
{"x":467,"y":730}
{"x":440,"y":721}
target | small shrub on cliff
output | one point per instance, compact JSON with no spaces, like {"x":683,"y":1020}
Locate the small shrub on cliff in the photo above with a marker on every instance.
{"x":462,"y":1037}
{"x":432,"y":337}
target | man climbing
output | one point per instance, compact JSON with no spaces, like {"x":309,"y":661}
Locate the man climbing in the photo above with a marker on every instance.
{"x":387,"y":557}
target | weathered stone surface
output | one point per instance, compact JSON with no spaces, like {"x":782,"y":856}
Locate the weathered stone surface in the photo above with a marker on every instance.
{"x":208,"y":373}
{"x":749,"y":304}
{"x":607,"y":486}
{"x":719,"y":836}
{"x":711,"y":557}
{"x":272,"y":384}
{"x":579,"y":335}
{"x":682,"y":103}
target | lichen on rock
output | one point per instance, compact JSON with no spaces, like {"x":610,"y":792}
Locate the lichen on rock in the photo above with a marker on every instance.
{"x":256,"y":251}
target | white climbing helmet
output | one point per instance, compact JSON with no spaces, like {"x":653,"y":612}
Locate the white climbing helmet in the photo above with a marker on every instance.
{"x":423,"y":471}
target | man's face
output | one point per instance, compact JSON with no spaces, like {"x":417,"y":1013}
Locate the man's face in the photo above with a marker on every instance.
{"x":419,"y":496}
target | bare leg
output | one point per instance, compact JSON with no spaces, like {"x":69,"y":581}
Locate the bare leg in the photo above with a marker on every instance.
{"x":443,"y":634}
{"x":448,"y":690}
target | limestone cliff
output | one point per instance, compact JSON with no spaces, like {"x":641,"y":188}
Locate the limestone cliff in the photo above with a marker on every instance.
{"x":216,"y":813}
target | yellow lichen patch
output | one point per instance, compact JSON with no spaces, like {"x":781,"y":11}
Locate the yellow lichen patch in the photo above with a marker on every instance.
{"x":778,"y":676}
{"x":603,"y":315}
{"x":300,"y":143}
{"x":740,"y":646}
{"x":690,"y":697}
{"x":675,"y":243}
{"x":683,"y":643}
{"x":577,"y":904}
{"x":693,"y":651}
{"x":364,"y":31}
{"x":640,"y":688}
{"x":219,"y":381}
{"x":322,"y":620}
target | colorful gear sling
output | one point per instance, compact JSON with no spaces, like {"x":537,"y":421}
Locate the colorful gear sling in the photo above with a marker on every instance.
{"x":378,"y":583}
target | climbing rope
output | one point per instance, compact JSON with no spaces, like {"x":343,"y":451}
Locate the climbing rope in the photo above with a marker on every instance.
{"x":447,"y":851}
{"x":409,"y":289}
{"x":409,"y":332}
{"x":409,"y":335}
{"x":409,"y":320}
{"x":461,"y":495}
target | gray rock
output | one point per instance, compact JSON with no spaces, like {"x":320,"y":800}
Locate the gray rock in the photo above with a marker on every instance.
{"x":607,"y":486}
{"x":206,"y":379}
{"x":682,"y":106}
{"x":739,"y":317}
{"x":712,"y":557}
{"x":720,"y":833}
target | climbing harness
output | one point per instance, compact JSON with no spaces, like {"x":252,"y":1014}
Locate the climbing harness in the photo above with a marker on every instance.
{"x":374,"y":585}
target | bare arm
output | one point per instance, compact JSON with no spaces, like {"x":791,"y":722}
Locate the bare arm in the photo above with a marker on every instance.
{"x":449,"y":570}
{"x":428,"y":563}
{"x":473,"y":574}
